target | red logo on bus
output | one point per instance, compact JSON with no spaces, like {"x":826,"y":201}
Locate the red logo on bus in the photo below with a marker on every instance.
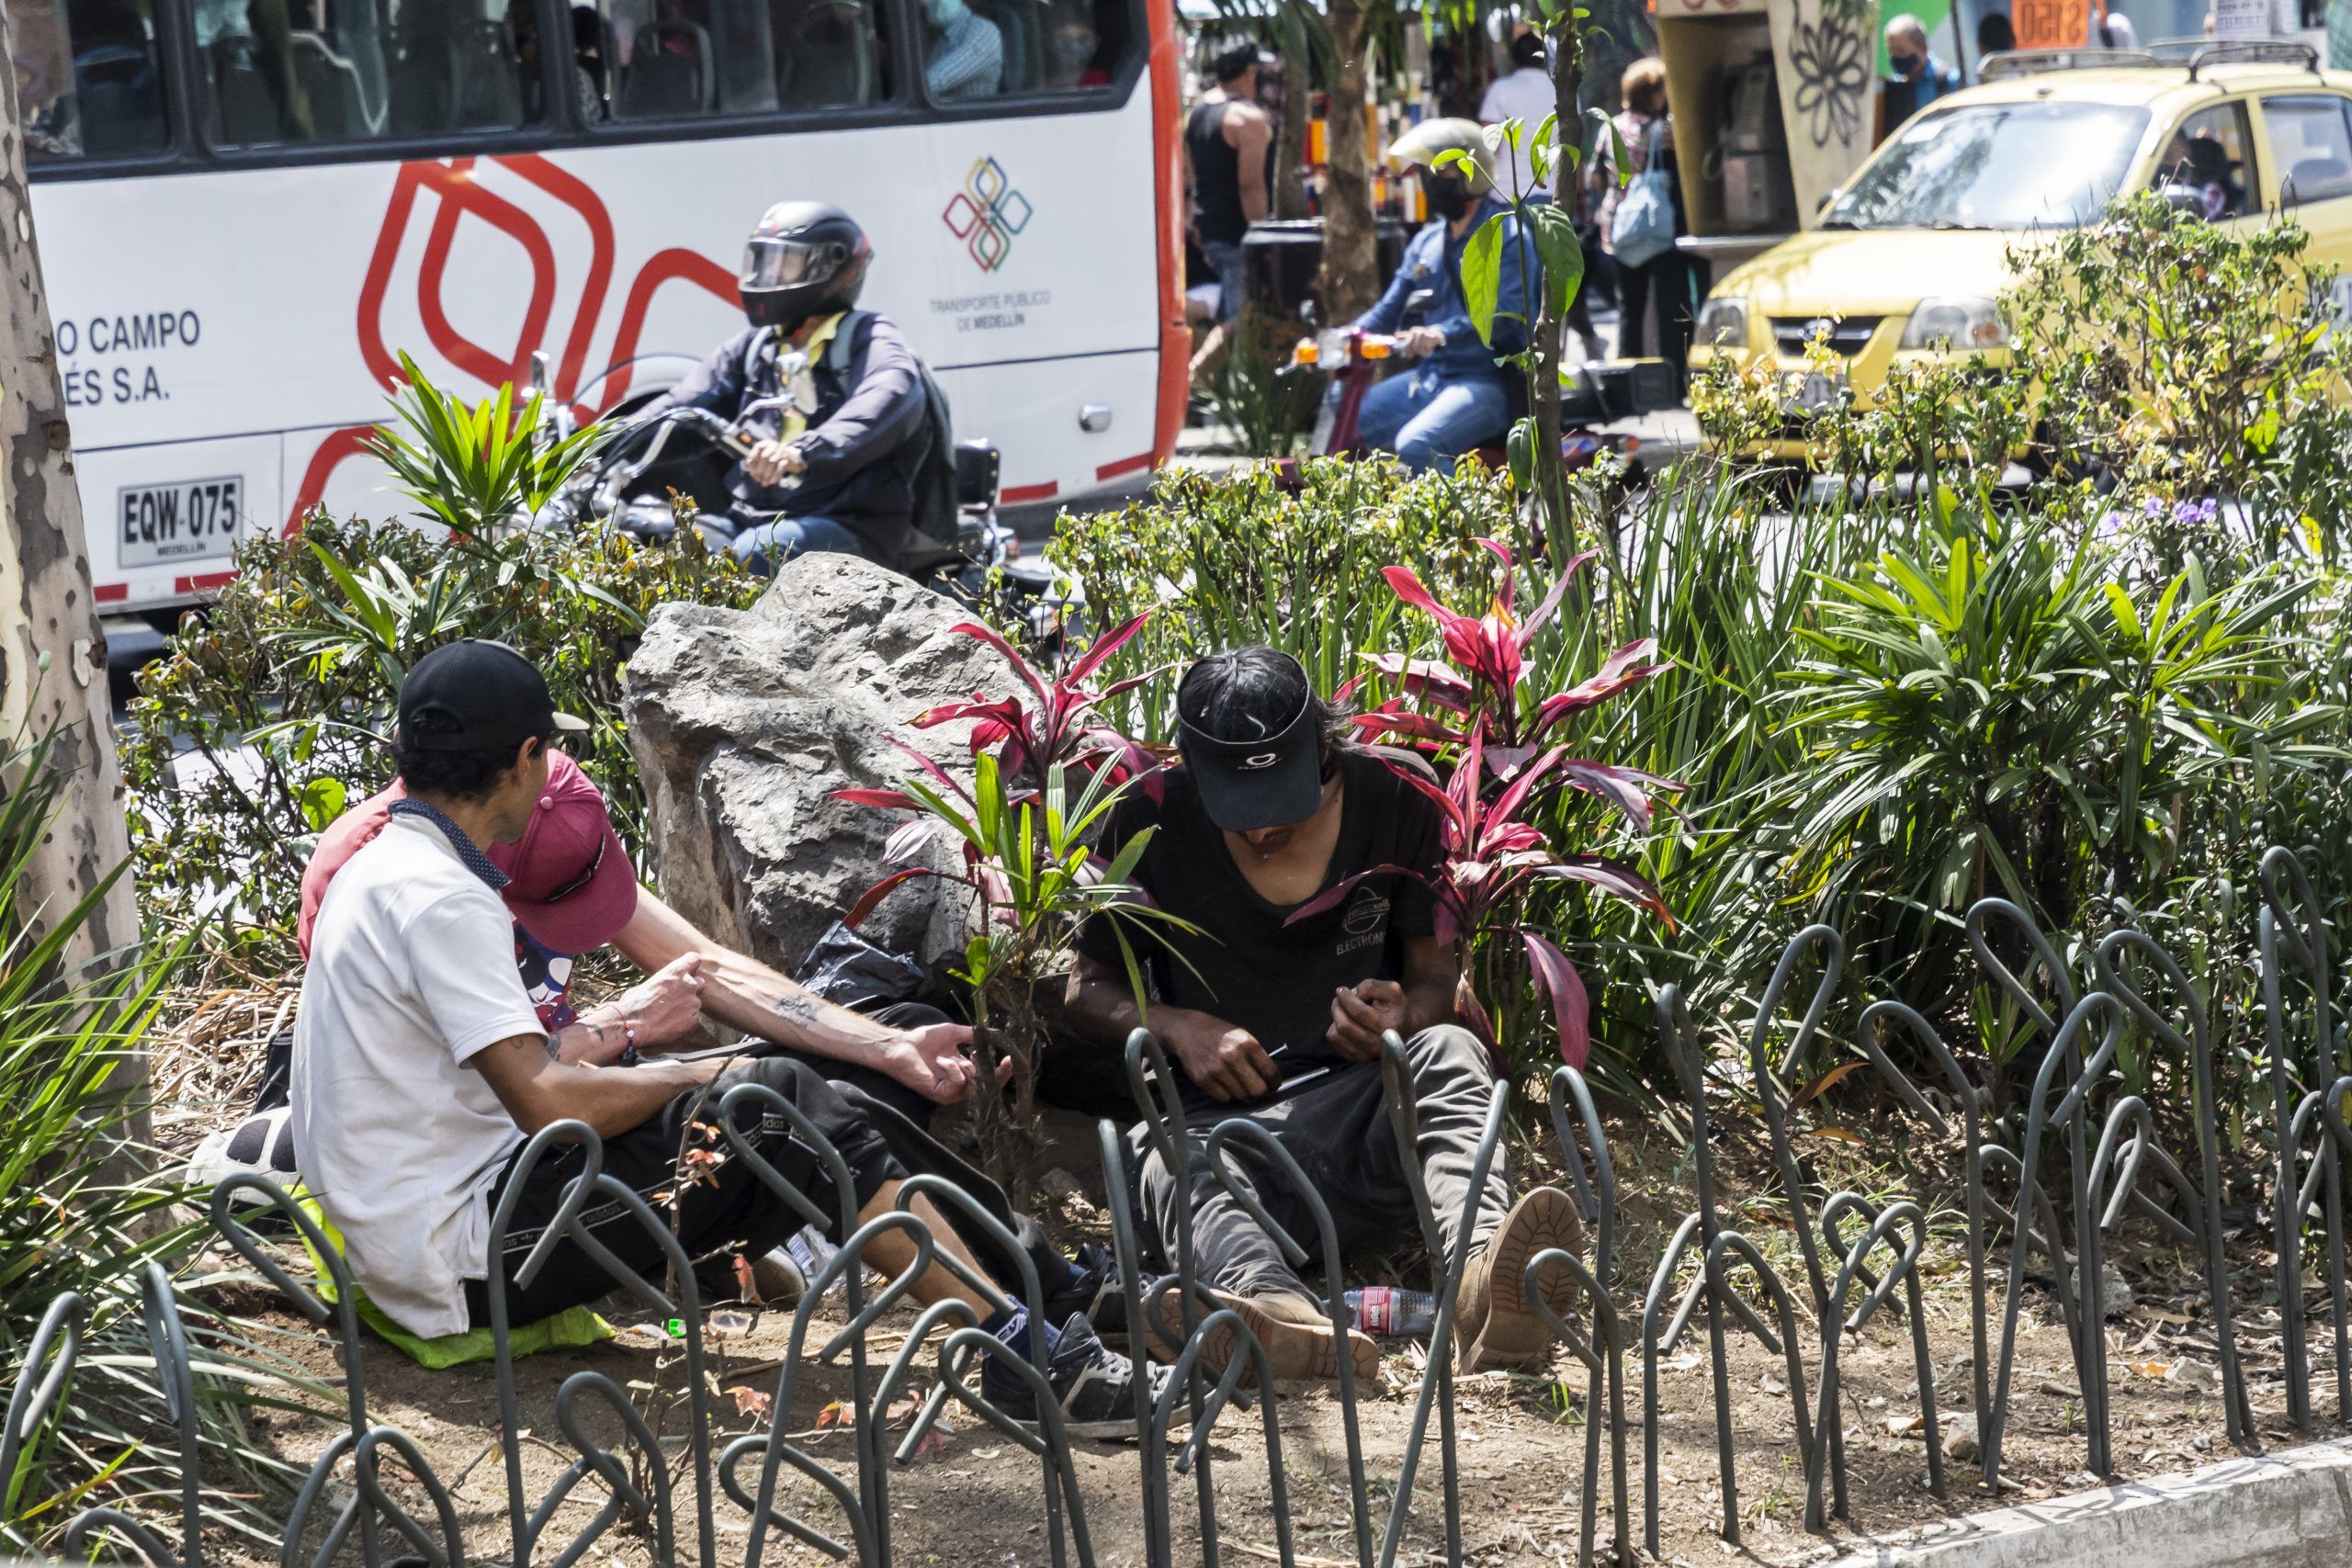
{"x":436,"y":196}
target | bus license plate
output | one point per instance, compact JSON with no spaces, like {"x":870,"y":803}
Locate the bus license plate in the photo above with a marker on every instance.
{"x":192,"y":521}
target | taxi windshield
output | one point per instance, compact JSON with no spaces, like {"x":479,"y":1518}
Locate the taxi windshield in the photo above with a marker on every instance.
{"x":1995,"y":166}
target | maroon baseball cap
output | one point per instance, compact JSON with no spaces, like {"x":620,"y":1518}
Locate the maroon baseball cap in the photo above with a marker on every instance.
{"x":572,"y":885}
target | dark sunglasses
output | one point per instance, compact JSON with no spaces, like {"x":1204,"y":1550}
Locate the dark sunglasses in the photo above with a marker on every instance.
{"x":581,"y":881}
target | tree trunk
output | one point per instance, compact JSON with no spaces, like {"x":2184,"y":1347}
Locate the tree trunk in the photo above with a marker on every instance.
{"x":1350,"y":281}
{"x":1290,"y":143}
{"x":1551,"y":474}
{"x":52,"y":655}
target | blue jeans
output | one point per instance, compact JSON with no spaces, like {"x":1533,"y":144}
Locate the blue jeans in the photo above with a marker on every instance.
{"x":770,"y":544}
{"x":1430,"y":419}
{"x":1232,"y":276}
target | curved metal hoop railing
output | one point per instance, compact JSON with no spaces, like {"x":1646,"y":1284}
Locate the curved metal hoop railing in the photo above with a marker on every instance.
{"x":2047,"y":1188}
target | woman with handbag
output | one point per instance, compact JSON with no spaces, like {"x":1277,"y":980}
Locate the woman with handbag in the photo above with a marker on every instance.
{"x":1640,"y":219}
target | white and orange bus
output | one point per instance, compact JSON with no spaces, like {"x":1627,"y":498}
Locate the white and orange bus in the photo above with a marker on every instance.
{"x":247,"y":209}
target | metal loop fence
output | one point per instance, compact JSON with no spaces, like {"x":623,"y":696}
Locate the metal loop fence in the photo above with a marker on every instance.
{"x":2088,"y":1159}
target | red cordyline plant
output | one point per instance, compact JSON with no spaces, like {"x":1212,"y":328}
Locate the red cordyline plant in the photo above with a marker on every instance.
{"x":1044,"y":774}
{"x":1485,"y":687}
{"x":1059,"y":728}
{"x":1472,"y":718}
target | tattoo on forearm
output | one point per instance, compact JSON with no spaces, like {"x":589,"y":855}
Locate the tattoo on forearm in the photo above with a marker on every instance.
{"x":798,"y":1007}
{"x":599,"y":1037}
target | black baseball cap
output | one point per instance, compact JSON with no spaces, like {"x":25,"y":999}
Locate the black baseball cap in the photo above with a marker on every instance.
{"x":1258,"y":760}
{"x":478,"y":696}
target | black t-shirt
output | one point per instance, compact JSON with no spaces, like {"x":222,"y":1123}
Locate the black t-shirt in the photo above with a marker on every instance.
{"x":1248,"y":967}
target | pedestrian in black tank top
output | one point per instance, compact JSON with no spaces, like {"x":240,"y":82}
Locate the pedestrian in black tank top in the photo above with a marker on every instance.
{"x":1225,"y":141}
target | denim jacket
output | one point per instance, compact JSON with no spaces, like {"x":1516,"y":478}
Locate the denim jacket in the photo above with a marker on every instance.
{"x":1433,"y":260}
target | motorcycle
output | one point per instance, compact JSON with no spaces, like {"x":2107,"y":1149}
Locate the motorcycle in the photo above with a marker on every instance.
{"x":627,"y":484}
{"x":1595,"y":393}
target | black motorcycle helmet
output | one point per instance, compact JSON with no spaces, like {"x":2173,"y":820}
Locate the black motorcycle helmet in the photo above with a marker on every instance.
{"x":807,"y":258}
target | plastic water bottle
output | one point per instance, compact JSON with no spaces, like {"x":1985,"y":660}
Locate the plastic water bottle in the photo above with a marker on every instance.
{"x":810,"y":1251}
{"x":1385,"y":1311}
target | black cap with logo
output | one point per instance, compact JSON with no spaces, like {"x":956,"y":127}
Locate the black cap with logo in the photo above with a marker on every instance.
{"x":477,"y":695}
{"x":1246,"y":725}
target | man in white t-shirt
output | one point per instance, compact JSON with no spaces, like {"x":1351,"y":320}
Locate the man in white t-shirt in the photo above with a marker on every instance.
{"x":1527,"y":96}
{"x":421,"y":1067}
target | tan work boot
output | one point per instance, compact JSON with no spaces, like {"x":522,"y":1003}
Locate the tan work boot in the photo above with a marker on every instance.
{"x":1495,"y":1326}
{"x":1294,"y":1329}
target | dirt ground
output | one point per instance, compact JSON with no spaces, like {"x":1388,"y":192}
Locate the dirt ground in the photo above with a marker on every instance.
{"x":975,"y":1497}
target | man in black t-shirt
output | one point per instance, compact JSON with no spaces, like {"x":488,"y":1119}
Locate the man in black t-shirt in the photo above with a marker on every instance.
{"x":1281,"y":1020}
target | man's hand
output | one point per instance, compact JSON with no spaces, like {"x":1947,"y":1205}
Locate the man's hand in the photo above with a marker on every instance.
{"x":1360,"y":1013}
{"x":666,"y":1005}
{"x":1419,"y":342}
{"x":1226,"y":1061}
{"x":932,"y":1062}
{"x":771,"y":460}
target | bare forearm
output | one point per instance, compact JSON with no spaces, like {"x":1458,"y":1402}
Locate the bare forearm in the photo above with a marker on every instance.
{"x":597,"y":1038}
{"x":1429,"y":1001}
{"x":539,"y":1090}
{"x":749,"y":995}
{"x":743,"y":993}
{"x":613,"y":1100}
{"x":1104,"y":1008}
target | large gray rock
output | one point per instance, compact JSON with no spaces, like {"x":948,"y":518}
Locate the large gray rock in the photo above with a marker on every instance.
{"x":746,"y":721}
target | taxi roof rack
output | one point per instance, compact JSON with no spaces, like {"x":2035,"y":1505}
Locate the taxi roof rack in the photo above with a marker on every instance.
{"x":2197,"y":54}
{"x":2194,"y":54}
{"x":2034,"y":62}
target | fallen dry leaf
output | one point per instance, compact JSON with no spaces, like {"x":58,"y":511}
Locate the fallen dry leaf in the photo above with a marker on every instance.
{"x":749,"y":1401}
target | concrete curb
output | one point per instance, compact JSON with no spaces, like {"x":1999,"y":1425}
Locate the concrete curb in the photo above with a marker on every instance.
{"x":2285,"y":1510}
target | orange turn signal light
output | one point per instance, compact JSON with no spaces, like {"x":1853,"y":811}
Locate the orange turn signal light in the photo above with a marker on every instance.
{"x":1306,"y":352}
{"x":1372,"y":347}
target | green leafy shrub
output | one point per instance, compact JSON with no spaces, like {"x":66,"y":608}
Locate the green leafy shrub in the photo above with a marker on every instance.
{"x":1884,"y":704}
{"x":2192,"y":360}
{"x":1222,"y":560}
{"x":1993,"y":711}
{"x":473,"y":470}
{"x":270,"y":714}
{"x":81,"y":1210}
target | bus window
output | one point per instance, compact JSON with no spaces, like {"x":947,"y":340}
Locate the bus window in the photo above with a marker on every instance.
{"x":328,"y":72}
{"x":89,"y":83}
{"x":1087,"y":43}
{"x":685,"y":58}
{"x":979,"y":48}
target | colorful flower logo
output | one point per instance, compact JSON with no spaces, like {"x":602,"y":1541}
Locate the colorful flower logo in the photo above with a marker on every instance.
{"x":987,"y":213}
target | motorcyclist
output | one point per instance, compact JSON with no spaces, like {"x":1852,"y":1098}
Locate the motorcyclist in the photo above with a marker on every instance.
{"x":851,"y":428}
{"x":1457,"y":397}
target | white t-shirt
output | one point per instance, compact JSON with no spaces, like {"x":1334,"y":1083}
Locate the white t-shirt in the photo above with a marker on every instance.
{"x":411,"y":972}
{"x":1526,"y":95}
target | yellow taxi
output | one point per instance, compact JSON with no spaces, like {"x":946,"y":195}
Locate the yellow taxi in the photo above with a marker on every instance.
{"x":1909,"y":255}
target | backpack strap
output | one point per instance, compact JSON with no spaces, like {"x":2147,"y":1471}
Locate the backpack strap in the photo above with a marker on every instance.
{"x":844,"y":340}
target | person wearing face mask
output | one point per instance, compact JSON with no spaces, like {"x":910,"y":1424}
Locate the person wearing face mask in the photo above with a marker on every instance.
{"x":966,"y":58}
{"x":1458,"y":395}
{"x":1299,"y":864}
{"x":1918,"y":78}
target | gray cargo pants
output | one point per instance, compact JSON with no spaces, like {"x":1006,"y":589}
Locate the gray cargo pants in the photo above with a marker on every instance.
{"x":1337,"y":1132}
